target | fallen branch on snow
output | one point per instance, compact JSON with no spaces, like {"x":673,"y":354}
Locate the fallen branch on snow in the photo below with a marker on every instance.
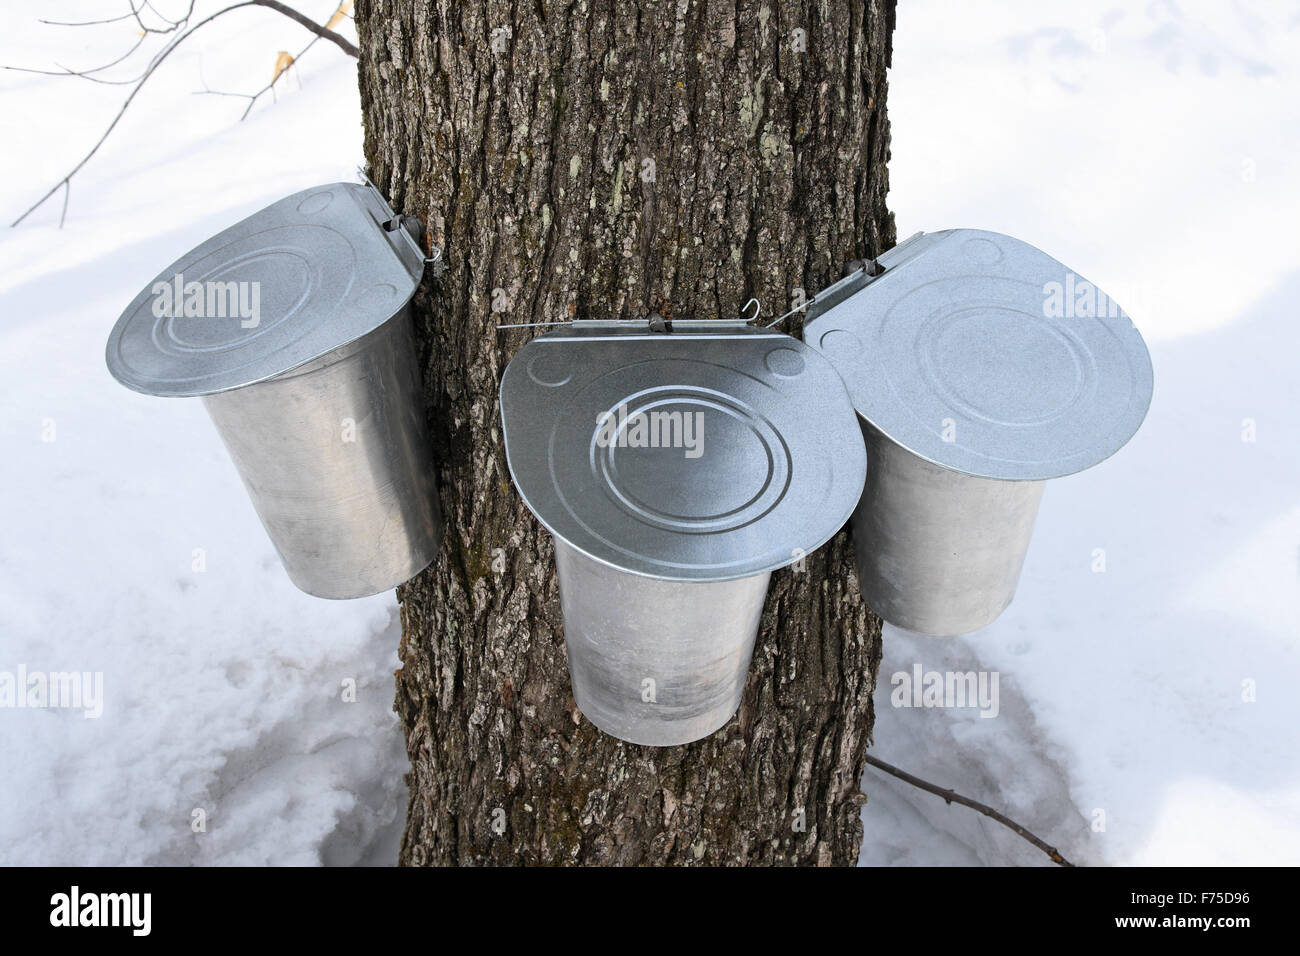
{"x":951,"y":797}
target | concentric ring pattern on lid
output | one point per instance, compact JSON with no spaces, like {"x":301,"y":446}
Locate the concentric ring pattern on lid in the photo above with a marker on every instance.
{"x":287,"y":285}
{"x":713,"y":452}
{"x":984,"y":355}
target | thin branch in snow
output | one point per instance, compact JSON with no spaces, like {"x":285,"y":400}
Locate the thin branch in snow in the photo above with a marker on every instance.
{"x":269,"y":88}
{"x":325,"y":33}
{"x":145,"y":31}
{"x":951,"y":797}
{"x":171,"y":24}
{"x":87,"y":74}
{"x":153,"y":65}
{"x":322,"y":33}
{"x":88,"y":23}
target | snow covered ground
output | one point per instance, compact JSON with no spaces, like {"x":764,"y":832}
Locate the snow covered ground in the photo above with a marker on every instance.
{"x":223,"y":688}
{"x":1154,"y":148}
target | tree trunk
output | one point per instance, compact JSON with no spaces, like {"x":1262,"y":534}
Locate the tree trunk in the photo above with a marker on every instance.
{"x":604,"y":161}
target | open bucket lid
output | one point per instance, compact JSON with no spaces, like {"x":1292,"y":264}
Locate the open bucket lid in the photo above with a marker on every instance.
{"x":769,"y":465}
{"x":320,"y":268}
{"x":984,"y":355}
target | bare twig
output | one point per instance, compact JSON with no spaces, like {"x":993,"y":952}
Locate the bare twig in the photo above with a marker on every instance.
{"x":88,"y":23}
{"x":86,"y":74}
{"x":132,"y":14}
{"x":951,"y":797}
{"x":269,"y":88}
{"x":323,"y":32}
{"x":153,"y":65}
{"x":173,"y":26}
{"x":164,"y":19}
{"x":188,"y":31}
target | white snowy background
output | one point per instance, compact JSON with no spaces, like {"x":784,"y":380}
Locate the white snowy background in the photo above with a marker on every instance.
{"x":1153,"y":147}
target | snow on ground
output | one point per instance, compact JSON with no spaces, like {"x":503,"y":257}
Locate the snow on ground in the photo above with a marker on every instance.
{"x":223,"y":688}
{"x":1153,"y":148}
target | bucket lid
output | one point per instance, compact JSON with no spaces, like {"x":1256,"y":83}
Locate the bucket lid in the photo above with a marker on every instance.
{"x":712,"y":452}
{"x":984,"y":355}
{"x":304,"y":276}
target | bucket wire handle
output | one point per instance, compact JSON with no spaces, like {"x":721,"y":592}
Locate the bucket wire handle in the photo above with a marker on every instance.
{"x":781,"y":318}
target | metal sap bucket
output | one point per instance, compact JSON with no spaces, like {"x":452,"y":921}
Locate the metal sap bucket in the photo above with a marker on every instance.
{"x":695,"y":637}
{"x":981,"y":368}
{"x":664,"y":549}
{"x":311,"y":380}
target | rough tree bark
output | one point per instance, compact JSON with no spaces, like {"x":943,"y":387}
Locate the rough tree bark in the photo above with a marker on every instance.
{"x":602,"y":160}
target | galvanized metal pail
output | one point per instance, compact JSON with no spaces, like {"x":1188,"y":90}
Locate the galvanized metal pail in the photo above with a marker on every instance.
{"x":964,"y":537}
{"x":981,"y":368}
{"x":294,"y":326}
{"x":664,"y":548}
{"x":656,"y":662}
